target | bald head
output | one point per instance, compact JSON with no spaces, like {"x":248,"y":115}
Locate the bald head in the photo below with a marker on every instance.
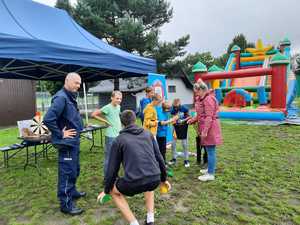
{"x":72,"y":82}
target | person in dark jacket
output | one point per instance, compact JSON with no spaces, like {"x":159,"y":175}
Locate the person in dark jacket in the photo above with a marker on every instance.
{"x":64,"y":121}
{"x":144,"y":168}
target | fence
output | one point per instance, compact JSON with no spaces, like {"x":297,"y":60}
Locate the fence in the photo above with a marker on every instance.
{"x":43,"y":101}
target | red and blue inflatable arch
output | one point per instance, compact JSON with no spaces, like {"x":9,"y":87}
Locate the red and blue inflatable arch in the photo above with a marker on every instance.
{"x":237,"y":98}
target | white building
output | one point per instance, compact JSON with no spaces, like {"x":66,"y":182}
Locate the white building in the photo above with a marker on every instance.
{"x":178,"y":86}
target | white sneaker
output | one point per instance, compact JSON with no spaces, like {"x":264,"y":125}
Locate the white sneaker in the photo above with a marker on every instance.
{"x":186,"y":164}
{"x":172,"y":162}
{"x":204,"y":171}
{"x":206,"y":177}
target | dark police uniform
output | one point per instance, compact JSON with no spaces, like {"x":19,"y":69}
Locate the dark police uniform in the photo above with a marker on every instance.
{"x":64,"y":113}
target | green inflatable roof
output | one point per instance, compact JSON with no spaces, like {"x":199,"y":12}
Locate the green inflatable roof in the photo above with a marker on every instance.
{"x":279,"y":59}
{"x":215,"y":68}
{"x":285,"y":41}
{"x":199,"y":67}
{"x":235,"y":48}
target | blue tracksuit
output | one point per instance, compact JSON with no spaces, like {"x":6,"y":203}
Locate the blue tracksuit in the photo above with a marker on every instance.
{"x":64,"y":113}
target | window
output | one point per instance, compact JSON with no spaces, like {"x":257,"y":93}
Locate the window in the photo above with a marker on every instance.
{"x":172,"y":89}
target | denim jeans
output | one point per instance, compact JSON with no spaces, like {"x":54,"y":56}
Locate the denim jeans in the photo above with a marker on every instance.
{"x":211,"y":152}
{"x":108,"y":144}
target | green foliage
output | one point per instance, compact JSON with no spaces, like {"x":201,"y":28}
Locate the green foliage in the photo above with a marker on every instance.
{"x":53,"y":86}
{"x":241,"y":41}
{"x":250,"y":45}
{"x":130,"y":25}
{"x":191,"y":59}
{"x":221,"y":60}
{"x":206,"y":58}
{"x":166,"y":54}
{"x":64,"y":4}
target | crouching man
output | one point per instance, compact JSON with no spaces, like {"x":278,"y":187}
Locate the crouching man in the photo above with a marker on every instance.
{"x":144,"y":168}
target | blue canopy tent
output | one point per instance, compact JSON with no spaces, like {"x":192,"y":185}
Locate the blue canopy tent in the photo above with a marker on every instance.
{"x":39,"y":42}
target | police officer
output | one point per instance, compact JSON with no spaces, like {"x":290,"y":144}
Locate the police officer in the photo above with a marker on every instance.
{"x":64,"y":121}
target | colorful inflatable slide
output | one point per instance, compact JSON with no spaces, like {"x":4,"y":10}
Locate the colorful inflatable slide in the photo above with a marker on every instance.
{"x":257,"y":84}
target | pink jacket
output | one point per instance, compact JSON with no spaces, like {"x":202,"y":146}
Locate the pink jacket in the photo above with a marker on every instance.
{"x":207,"y":117}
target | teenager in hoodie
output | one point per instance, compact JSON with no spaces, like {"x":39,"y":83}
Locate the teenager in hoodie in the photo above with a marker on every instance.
{"x":143,"y":165}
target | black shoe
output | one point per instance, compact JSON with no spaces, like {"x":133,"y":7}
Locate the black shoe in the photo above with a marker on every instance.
{"x":79,"y":195}
{"x":73,"y":211}
{"x":172,"y":162}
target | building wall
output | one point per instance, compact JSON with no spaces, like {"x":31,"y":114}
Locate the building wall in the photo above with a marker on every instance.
{"x":139,"y":96}
{"x":182,"y":92}
{"x":17,"y":101}
{"x":128,"y":100}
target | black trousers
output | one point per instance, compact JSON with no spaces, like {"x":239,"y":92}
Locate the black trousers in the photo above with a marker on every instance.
{"x":162,"y":144}
{"x":199,"y":149}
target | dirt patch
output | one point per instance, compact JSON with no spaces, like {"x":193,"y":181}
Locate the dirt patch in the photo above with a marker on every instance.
{"x":294,"y":202}
{"x":101,"y":214}
{"x":3,"y":221}
{"x":179,"y":207}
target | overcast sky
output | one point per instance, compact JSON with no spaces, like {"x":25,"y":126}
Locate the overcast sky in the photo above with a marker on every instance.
{"x":212,"y":24}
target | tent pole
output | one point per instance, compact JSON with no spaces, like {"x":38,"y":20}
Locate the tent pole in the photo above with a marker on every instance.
{"x":85,"y":104}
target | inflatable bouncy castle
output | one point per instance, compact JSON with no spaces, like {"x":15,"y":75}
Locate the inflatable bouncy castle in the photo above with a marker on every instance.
{"x":257,"y":84}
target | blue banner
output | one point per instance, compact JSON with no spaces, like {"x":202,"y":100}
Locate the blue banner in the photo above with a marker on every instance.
{"x":158,"y":82}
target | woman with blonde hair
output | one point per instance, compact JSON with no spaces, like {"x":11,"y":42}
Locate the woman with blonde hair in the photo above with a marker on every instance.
{"x":209,"y":127}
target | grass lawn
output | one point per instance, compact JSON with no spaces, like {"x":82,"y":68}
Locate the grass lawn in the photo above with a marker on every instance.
{"x":257,"y":182}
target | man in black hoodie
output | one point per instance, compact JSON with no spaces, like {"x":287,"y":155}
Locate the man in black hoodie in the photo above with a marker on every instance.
{"x":144,"y":168}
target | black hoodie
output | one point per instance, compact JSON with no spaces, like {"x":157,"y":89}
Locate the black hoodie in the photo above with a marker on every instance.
{"x":139,"y":154}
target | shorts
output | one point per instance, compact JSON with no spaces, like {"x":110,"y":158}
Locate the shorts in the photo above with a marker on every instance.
{"x":131,"y":189}
{"x":181,"y":131}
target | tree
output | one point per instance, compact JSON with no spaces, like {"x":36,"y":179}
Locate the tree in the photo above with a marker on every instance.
{"x":53,"y":86}
{"x":188,"y":62}
{"x":64,"y":4}
{"x":241,"y":41}
{"x":221,"y":60}
{"x":191,"y":59}
{"x":166,"y":53}
{"x":132,"y":25}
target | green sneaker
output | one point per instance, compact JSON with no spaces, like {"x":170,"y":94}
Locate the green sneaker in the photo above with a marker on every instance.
{"x":170,"y":172}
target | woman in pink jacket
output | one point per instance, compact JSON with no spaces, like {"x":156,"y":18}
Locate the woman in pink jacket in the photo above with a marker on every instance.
{"x":209,"y":126}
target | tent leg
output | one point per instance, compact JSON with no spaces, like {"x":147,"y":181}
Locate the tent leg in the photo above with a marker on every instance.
{"x":85,"y":105}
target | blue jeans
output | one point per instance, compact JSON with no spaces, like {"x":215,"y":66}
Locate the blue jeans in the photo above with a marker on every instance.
{"x":211,"y":152}
{"x":108,"y":144}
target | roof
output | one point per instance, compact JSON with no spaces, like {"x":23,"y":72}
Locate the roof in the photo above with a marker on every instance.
{"x":182,"y":75}
{"x":107,"y":86}
{"x":41,"y":42}
{"x":199,"y":67}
